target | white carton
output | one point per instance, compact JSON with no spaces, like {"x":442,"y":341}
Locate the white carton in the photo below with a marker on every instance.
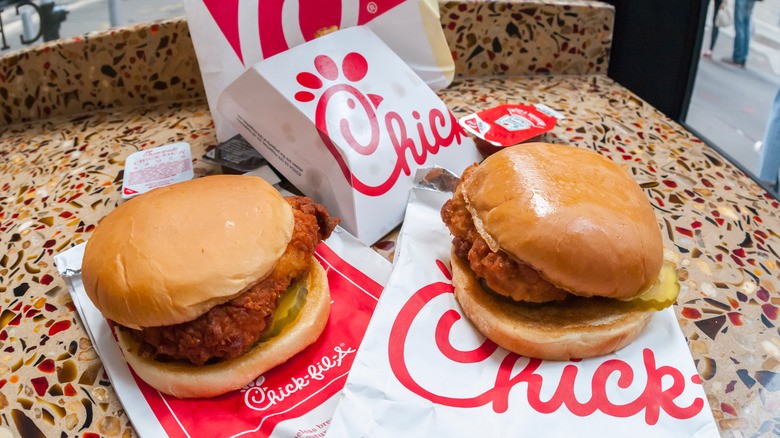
{"x":348,"y":123}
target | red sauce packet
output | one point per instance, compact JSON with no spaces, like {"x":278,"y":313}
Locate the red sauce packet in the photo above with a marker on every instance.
{"x":508,"y":125}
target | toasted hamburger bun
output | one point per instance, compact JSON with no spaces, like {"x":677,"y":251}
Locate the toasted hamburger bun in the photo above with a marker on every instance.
{"x":243,"y":226}
{"x":185,"y":380}
{"x":576,"y":217}
{"x":585,"y":226}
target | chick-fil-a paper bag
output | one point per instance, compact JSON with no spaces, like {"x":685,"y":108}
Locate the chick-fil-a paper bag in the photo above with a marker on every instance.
{"x":347,"y":122}
{"x":423,"y":370}
{"x":295,"y":399}
{"x":231,"y":35}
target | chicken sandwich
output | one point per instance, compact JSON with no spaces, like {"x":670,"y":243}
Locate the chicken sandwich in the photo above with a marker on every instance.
{"x":557,"y":253}
{"x":210,"y":282}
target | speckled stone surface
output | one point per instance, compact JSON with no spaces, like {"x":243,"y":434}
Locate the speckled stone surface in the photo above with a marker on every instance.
{"x":123,"y":67}
{"x":155,"y":62}
{"x":528,"y":37}
{"x":60,"y":175}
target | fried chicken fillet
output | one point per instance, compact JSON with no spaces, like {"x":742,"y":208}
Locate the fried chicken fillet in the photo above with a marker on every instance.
{"x":232,"y":328}
{"x":501,"y":273}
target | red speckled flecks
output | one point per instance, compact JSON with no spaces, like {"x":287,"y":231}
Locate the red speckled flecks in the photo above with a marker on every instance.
{"x":58,"y":178}
{"x":528,"y":37}
{"x":59,"y":175}
{"x":100,"y":71}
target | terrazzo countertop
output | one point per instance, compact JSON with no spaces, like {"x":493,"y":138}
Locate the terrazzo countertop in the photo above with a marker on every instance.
{"x":155,"y":62}
{"x":59,"y":175}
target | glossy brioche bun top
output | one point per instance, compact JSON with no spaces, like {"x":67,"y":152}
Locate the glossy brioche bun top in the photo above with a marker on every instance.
{"x":169,"y":255}
{"x":571,"y":214}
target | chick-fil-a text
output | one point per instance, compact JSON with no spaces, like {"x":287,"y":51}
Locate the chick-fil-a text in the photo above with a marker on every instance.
{"x":653,"y":399}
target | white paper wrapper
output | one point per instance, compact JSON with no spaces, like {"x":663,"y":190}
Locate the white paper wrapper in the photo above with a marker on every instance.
{"x":295,"y":399}
{"x":423,"y":370}
{"x":347,"y":122}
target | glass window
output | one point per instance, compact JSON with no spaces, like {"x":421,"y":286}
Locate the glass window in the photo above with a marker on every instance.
{"x":29,"y":22}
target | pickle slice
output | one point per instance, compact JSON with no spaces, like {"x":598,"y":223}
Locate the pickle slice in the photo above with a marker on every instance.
{"x":662,"y":293}
{"x":290,"y":305}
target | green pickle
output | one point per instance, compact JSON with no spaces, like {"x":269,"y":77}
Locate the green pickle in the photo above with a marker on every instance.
{"x":661,"y":294}
{"x":290,"y":305}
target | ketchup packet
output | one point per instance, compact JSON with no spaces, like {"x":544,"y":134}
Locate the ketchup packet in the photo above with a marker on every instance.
{"x":295,"y":399}
{"x":508,"y":125}
{"x":424,"y":370}
{"x":162,"y":166}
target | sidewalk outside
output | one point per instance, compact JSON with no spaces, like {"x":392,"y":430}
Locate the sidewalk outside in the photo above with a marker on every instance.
{"x":730,"y":105}
{"x":88,"y":16}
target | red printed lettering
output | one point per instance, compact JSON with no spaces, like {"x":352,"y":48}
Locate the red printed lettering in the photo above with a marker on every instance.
{"x":653,"y":400}
{"x":430,"y":135}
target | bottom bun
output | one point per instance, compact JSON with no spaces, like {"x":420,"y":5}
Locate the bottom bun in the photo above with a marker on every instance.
{"x":574,"y":328}
{"x":185,"y":380}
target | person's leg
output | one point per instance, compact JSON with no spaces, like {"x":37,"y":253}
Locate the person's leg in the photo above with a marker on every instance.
{"x":714,"y":34}
{"x":769,"y":160}
{"x":743,"y":9}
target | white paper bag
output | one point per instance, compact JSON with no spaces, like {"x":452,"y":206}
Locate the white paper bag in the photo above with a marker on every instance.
{"x":347,"y":122}
{"x":232,"y":35}
{"x":424,"y":371}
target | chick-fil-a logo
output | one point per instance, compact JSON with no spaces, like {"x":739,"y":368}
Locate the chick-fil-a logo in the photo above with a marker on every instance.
{"x":652,"y":400}
{"x":433,"y":132}
{"x":282,"y":24}
{"x":260,"y":397}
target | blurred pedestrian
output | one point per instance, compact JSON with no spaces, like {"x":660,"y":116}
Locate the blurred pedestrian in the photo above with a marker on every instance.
{"x":743,"y":11}
{"x":715,"y":28}
{"x":769,"y":159}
